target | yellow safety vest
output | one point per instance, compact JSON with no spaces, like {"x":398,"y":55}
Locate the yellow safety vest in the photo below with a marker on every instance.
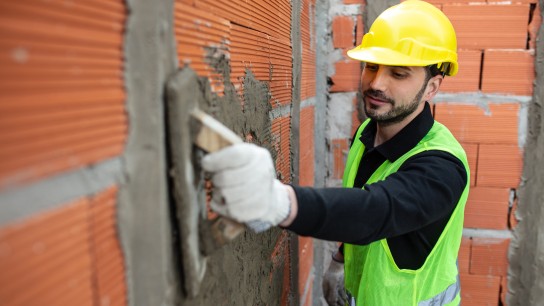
{"x":371,"y":274}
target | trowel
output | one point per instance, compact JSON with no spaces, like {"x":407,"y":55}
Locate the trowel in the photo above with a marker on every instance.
{"x":210,"y":135}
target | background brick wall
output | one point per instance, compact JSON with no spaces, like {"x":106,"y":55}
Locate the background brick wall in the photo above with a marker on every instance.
{"x":485,"y":108}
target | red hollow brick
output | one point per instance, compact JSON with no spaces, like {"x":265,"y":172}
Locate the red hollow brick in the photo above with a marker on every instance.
{"x":340,"y":149}
{"x":489,"y":256}
{"x":468,"y":77}
{"x":504,"y":289}
{"x":478,"y":290}
{"x":517,"y":64}
{"x":472,"y":124}
{"x":471,"y":149}
{"x":485,"y":26}
{"x":499,"y":166}
{"x":343,"y":32}
{"x":281,"y":145}
{"x":305,"y":262}
{"x":487,"y":208}
{"x":346,"y":77}
{"x":464,"y":255}
{"x":306,"y":147}
{"x":107,"y":255}
{"x":45,"y":259}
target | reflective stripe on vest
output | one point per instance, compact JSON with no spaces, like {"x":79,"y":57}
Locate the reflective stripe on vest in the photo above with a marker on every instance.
{"x":444,"y":297}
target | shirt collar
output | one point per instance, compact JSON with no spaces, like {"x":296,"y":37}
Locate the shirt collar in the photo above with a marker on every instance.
{"x":404,"y":140}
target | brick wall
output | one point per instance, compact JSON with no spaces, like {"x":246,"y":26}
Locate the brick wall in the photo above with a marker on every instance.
{"x":485,"y":107}
{"x":61,"y":111}
{"x":497,"y":65}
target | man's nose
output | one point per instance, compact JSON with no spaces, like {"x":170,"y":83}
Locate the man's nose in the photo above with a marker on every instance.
{"x":379,"y":80}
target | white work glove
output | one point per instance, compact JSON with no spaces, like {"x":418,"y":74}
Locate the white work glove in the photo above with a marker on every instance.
{"x":333,"y":284}
{"x":245,"y":186}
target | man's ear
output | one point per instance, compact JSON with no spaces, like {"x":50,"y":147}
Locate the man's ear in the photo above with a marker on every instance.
{"x":432,"y":87}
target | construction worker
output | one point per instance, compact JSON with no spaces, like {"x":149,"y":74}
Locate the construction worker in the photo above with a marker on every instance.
{"x":405,"y":185}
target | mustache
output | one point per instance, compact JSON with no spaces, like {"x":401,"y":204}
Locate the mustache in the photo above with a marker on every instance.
{"x":378,"y":94}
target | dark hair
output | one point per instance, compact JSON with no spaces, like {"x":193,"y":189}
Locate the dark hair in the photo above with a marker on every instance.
{"x":433,"y":70}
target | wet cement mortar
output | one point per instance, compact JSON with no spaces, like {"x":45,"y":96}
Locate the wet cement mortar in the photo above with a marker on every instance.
{"x":243,"y":272}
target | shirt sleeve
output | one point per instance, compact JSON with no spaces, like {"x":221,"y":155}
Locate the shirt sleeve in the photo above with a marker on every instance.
{"x":425,"y":189}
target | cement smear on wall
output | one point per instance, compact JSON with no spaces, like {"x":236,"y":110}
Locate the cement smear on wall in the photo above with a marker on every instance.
{"x":251,"y":270}
{"x":143,"y":213}
{"x":526,"y":272}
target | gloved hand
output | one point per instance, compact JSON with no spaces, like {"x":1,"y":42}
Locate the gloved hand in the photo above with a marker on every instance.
{"x":333,"y":284}
{"x":245,"y":186}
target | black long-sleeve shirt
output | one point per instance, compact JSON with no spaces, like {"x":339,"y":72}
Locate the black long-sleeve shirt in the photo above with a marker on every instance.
{"x":410,"y":208}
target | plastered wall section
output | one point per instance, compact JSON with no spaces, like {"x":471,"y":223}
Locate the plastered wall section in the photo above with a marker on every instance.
{"x":485,"y":106}
{"x":256,"y":41}
{"x":63,"y":127}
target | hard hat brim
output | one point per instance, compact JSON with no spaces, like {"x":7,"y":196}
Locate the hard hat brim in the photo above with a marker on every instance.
{"x":388,"y":57}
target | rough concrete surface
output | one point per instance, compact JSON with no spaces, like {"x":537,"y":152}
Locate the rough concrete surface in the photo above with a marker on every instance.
{"x":323,"y":42}
{"x":144,"y":212}
{"x":296,"y":43}
{"x":323,"y":37}
{"x":526,"y":284}
{"x":235,"y":274}
{"x":294,"y":141}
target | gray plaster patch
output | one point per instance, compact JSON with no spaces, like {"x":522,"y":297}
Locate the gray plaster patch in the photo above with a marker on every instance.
{"x":485,"y":233}
{"x":308,"y":103}
{"x":323,"y":47}
{"x":373,"y":9}
{"x":296,"y":43}
{"x":338,"y":8}
{"x":144,"y":217}
{"x":340,"y":110}
{"x":58,"y":190}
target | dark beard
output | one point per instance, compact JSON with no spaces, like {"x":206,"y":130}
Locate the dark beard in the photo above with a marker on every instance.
{"x":396,"y":114}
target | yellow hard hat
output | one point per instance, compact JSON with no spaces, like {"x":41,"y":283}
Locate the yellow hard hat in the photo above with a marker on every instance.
{"x":413,"y":33}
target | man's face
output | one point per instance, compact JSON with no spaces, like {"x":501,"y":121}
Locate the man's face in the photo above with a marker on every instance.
{"x":392,"y":93}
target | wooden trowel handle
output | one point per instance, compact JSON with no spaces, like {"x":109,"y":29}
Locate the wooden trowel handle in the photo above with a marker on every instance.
{"x":211,"y":135}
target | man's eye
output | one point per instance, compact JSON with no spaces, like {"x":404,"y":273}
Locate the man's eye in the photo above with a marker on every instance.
{"x":399,"y":75}
{"x":372,"y":67}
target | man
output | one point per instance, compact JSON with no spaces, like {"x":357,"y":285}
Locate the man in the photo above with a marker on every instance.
{"x":400,"y":213}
